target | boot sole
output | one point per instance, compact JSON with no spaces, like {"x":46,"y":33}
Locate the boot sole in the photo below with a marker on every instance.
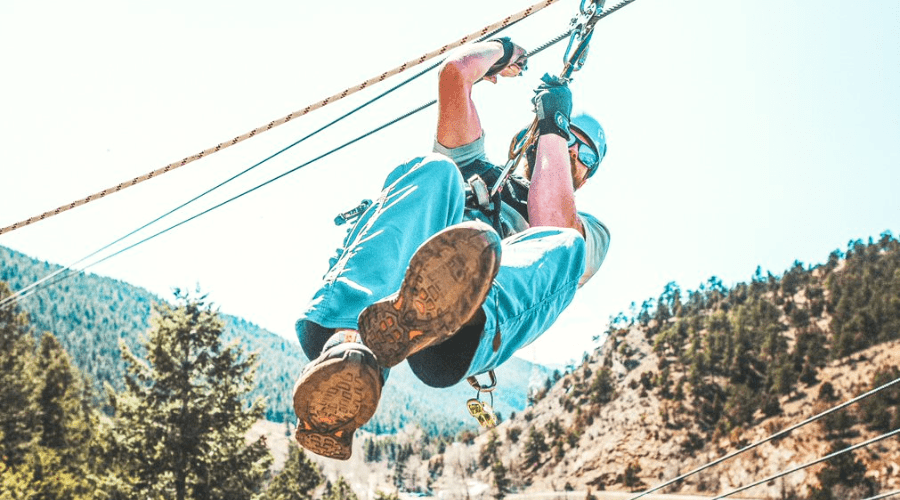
{"x":446,"y":282}
{"x":332,"y":400}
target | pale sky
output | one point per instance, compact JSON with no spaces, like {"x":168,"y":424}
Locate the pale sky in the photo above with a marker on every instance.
{"x":740,"y":135}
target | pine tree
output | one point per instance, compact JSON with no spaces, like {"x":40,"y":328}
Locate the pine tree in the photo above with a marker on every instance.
{"x":64,"y":466}
{"x":535,"y":446}
{"x":502,"y":481}
{"x":843,"y":477}
{"x":298,"y":480}
{"x":181,"y":421}
{"x":340,"y":491}
{"x":17,"y":386}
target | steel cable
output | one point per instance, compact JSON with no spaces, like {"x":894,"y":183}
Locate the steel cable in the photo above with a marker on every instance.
{"x":281,"y":121}
{"x":770,"y":438}
{"x":24,"y":292}
{"x":233,"y":198}
{"x":884,"y":495}
{"x":810,"y":464}
{"x":30,"y":289}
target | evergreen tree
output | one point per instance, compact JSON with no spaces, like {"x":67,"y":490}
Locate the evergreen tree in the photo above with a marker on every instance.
{"x":181,"y":421}
{"x":501,"y":480}
{"x":535,"y":446}
{"x":298,"y":480}
{"x":17,"y":412}
{"x":64,"y":466}
{"x":843,"y":477}
{"x":63,"y":411}
{"x":340,"y":491}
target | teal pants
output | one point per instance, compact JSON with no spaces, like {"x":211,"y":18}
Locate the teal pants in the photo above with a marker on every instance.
{"x":539,"y":272}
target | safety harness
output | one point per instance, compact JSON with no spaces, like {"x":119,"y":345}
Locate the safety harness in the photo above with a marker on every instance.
{"x":506,"y":189}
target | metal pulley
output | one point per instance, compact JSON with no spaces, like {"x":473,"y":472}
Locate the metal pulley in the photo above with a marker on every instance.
{"x":582,"y":28}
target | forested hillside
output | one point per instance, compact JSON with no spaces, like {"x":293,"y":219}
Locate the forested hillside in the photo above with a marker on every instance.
{"x":90,"y":315}
{"x":691,"y":376}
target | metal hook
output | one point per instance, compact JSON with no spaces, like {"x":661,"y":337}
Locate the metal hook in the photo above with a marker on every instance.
{"x":484,"y":388}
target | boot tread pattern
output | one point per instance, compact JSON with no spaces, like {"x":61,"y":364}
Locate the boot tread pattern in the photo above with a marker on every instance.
{"x":332,"y":400}
{"x":445,"y":283}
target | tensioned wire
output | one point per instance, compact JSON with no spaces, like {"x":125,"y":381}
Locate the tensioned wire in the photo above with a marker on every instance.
{"x":884,"y":495}
{"x":221,"y":204}
{"x":281,"y":121}
{"x":770,"y":438}
{"x":24,"y":292}
{"x":848,"y":449}
{"x":406,"y":115}
{"x":31,"y":288}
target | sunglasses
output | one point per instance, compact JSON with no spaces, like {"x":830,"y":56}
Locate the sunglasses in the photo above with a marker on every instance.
{"x":586,"y":153}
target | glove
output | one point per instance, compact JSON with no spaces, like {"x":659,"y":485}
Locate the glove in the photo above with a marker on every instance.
{"x":509,"y":49}
{"x":553,"y":106}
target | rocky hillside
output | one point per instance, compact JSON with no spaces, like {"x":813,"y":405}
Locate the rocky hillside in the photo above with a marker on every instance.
{"x":639,"y":439}
{"x":693,"y":377}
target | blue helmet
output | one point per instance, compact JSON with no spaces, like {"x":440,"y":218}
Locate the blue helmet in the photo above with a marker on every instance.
{"x":591,"y":129}
{"x":588,"y":126}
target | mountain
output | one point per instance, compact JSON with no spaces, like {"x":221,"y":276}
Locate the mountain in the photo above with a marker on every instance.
{"x":696,"y":376}
{"x":91,"y":315}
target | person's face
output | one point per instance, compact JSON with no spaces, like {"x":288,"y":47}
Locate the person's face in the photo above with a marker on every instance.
{"x":580,"y":170}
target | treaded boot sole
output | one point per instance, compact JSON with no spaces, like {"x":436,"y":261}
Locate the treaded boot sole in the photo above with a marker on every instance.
{"x":446,"y":282}
{"x":333,"y":399}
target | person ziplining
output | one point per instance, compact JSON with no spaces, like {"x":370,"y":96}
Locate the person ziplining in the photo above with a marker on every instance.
{"x":438,"y":274}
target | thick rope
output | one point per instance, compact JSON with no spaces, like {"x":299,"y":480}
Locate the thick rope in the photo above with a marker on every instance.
{"x":312,"y":107}
{"x":11,"y":300}
{"x":35,"y":287}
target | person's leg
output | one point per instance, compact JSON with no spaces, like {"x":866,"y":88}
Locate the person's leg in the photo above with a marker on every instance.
{"x":419,"y":198}
{"x":445,"y":285}
{"x":538,"y":278}
{"x":339,"y":390}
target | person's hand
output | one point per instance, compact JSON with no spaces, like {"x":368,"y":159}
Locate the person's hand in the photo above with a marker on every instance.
{"x":518,"y":64}
{"x":553,"y":106}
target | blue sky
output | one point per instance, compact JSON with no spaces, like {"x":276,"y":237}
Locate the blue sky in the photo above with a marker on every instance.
{"x":740,"y":135}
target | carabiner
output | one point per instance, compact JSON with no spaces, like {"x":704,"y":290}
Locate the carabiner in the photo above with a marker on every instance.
{"x":484,"y":388}
{"x":595,"y":7}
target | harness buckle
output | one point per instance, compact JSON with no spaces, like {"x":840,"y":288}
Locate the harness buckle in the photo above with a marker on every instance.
{"x":481,"y":192}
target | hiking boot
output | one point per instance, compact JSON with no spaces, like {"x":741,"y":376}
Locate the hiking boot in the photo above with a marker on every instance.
{"x":336,"y":394}
{"x":446,"y":282}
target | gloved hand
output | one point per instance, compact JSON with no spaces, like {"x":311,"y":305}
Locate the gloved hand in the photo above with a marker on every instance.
{"x":553,"y":106}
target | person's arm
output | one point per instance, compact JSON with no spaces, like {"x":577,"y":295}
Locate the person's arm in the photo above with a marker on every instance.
{"x":458,"y":122}
{"x":551,"y":198}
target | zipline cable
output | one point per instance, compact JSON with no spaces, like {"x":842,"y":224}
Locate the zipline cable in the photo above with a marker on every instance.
{"x":7,"y":301}
{"x":312,"y":107}
{"x":770,"y":438}
{"x":884,"y":495}
{"x":233,"y":198}
{"x":848,"y":449}
{"x":24,"y":292}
